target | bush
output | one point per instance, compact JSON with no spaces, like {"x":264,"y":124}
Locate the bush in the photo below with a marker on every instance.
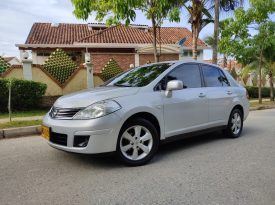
{"x":25,"y":94}
{"x":253,"y":92}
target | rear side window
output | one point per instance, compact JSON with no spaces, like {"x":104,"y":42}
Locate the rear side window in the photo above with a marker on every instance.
{"x":225,"y":82}
{"x":213,"y":77}
{"x":189,"y":74}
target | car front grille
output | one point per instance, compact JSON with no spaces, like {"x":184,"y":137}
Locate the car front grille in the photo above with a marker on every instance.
{"x":57,"y":138}
{"x":63,"y":113}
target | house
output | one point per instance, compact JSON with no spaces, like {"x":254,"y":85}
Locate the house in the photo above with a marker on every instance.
{"x":12,"y":60}
{"x":126,"y":45}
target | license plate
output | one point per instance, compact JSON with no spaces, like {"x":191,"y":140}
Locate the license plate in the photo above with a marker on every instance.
{"x":45,"y":131}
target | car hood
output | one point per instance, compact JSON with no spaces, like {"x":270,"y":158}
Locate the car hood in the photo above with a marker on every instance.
{"x":87,"y":97}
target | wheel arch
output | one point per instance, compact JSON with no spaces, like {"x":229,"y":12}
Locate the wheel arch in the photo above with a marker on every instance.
{"x":147,"y":116}
{"x":240,"y":107}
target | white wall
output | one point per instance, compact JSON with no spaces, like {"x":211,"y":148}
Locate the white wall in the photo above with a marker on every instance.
{"x":38,"y":59}
{"x":183,"y":56}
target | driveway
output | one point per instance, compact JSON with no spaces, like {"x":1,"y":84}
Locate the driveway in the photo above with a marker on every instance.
{"x":207,"y":169}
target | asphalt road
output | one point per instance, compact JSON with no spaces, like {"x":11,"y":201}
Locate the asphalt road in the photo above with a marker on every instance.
{"x":207,"y":169}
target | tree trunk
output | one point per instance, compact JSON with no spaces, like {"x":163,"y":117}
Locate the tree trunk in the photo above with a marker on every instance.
{"x":195,"y":42}
{"x":216,"y":32}
{"x":224,"y":61}
{"x":271,"y":86}
{"x":260,"y":76}
{"x":154,"y":39}
{"x":9,"y":101}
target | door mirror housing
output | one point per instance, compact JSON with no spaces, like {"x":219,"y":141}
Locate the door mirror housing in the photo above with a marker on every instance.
{"x":173,"y":85}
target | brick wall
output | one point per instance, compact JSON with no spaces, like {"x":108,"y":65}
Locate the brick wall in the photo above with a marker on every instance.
{"x":144,"y":58}
{"x":123,"y":60}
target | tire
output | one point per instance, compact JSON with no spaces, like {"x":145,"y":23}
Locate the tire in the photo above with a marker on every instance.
{"x":137,"y":143}
{"x":235,"y":124}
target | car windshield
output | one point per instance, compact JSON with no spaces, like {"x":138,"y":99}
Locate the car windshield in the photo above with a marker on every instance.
{"x":139,"y":76}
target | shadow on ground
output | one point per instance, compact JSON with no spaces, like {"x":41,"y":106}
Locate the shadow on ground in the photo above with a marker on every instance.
{"x":109,"y":160}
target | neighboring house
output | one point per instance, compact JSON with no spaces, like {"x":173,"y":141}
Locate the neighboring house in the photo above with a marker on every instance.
{"x":12,"y":60}
{"x":126,"y":45}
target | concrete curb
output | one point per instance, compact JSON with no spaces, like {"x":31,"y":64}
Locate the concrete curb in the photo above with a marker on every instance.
{"x":20,"y":131}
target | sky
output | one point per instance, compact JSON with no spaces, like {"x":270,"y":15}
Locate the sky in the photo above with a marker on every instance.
{"x":18,"y":16}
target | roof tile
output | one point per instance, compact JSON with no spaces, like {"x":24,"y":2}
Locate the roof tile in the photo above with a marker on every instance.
{"x":44,"y":33}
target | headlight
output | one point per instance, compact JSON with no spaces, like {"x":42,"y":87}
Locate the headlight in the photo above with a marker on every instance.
{"x":97,"y":110}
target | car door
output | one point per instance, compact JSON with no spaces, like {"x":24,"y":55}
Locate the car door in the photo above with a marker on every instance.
{"x":219,"y":94}
{"x":187,"y":109}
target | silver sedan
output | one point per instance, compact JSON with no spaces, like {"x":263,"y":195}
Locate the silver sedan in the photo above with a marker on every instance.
{"x":136,"y":110}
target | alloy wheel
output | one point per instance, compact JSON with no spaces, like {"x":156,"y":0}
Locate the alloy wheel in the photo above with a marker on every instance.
{"x":236,"y":123}
{"x":136,"y":142}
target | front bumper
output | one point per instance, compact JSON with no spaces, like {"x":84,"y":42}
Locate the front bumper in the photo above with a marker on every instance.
{"x":103,"y":133}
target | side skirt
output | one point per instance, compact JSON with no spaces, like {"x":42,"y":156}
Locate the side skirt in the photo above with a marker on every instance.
{"x":191,"y":134}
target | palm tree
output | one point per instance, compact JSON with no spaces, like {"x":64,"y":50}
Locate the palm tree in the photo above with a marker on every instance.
{"x":210,"y":40}
{"x":199,"y":18}
{"x":225,"y":5}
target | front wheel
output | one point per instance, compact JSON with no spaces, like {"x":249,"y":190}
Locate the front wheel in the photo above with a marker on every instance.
{"x":235,"y":124}
{"x":138,"y":142}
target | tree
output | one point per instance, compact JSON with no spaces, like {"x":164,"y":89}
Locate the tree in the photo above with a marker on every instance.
{"x":199,"y":17}
{"x":10,"y":81}
{"x":225,"y":5}
{"x":239,"y":43}
{"x":269,"y":55}
{"x":265,"y":42}
{"x":210,"y":41}
{"x":115,"y":11}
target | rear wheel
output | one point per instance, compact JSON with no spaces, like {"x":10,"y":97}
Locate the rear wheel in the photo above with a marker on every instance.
{"x":138,"y":142}
{"x":235,"y":124}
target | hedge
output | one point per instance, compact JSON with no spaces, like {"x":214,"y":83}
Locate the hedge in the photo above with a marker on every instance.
{"x":25,"y":94}
{"x":253,"y":91}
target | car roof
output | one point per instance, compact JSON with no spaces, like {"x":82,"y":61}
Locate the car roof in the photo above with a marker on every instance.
{"x":186,"y":61}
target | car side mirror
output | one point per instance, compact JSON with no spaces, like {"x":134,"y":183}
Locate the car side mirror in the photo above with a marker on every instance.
{"x":173,"y":85}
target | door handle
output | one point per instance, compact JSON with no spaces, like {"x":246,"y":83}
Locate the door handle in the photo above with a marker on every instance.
{"x":229,"y":92}
{"x":202,"y":95}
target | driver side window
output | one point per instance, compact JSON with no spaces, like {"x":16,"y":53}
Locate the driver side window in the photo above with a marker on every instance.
{"x":189,"y":74}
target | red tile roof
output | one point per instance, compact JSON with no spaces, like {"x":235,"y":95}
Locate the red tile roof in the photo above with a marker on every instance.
{"x":44,"y":33}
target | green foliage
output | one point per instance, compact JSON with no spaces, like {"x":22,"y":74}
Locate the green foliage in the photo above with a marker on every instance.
{"x":110,"y":70}
{"x":115,"y":11}
{"x":233,"y":73}
{"x":209,"y":40}
{"x":245,"y":74}
{"x":125,"y":10}
{"x":60,"y":65}
{"x":24,"y":94}
{"x":235,"y":37}
{"x":3,"y":65}
{"x":253,"y":92}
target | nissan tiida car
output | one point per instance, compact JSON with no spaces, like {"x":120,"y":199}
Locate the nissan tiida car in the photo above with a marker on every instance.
{"x":135,"y":111}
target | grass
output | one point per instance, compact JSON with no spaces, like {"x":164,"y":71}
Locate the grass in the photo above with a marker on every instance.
{"x":20,"y":123}
{"x":30,"y":113}
{"x":264,"y":104}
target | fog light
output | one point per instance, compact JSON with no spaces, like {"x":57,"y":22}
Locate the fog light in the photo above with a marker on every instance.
{"x":81,"y":140}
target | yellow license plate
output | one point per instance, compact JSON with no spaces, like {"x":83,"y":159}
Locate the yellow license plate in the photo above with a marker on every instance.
{"x":45,"y":132}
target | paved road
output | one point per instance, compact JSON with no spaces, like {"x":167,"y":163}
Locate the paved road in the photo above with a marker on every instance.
{"x":205,"y":170}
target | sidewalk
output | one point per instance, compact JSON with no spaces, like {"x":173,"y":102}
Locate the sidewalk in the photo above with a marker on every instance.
{"x":4,"y":120}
